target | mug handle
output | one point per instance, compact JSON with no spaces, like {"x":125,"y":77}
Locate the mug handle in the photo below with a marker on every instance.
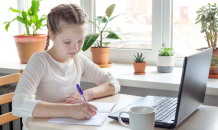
{"x":121,"y":122}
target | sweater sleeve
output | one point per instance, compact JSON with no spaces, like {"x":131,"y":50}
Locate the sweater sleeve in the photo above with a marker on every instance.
{"x":94,"y":73}
{"x":23,"y":101}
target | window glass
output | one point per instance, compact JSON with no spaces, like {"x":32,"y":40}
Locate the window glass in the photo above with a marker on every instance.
{"x":47,"y":5}
{"x":134,"y":28}
{"x":8,"y":50}
{"x":186,"y":34}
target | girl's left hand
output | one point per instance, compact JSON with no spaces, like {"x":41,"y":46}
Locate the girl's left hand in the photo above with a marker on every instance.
{"x":75,"y":98}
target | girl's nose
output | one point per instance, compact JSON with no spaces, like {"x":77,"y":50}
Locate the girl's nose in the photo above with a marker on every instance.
{"x":75,"y":47}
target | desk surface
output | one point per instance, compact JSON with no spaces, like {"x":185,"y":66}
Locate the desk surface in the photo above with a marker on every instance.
{"x":204,"y":119}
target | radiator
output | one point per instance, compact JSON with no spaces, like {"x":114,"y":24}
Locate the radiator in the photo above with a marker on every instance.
{"x":13,"y":125}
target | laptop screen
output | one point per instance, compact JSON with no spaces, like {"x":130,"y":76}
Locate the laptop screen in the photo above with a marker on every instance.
{"x":193,"y":83}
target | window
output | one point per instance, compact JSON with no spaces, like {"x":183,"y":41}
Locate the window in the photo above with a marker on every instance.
{"x":8,"y":50}
{"x":47,"y":5}
{"x":186,"y":34}
{"x":135,"y":28}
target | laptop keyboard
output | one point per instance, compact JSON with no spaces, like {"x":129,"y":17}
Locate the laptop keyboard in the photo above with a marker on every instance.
{"x":165,"y":108}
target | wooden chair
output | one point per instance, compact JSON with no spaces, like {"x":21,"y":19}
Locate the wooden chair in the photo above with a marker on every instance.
{"x":6,"y":98}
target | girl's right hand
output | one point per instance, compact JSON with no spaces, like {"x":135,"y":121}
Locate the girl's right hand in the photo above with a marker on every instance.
{"x":82,"y":111}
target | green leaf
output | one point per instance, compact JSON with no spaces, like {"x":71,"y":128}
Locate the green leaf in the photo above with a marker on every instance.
{"x":215,"y":29}
{"x":25,"y":34}
{"x":22,"y":20}
{"x":5,"y":22}
{"x":89,"y":40}
{"x":104,"y":20}
{"x":24,"y":15}
{"x":112,"y":35}
{"x":8,"y":23}
{"x":140,"y":56}
{"x":29,"y":12}
{"x":35,"y":6}
{"x":110,"y":10}
{"x":7,"y":26}
{"x":143,"y":58}
{"x":99,"y":22}
{"x":106,"y":43}
{"x":197,"y":18}
{"x":97,"y":43}
{"x":95,"y":25}
{"x":203,"y":29}
{"x":115,"y":17}
{"x":198,"y":21}
{"x":39,"y":22}
{"x":34,"y":18}
{"x":15,"y":10}
{"x":214,"y":21}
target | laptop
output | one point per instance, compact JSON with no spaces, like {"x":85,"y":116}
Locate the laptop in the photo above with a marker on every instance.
{"x":171,"y":111}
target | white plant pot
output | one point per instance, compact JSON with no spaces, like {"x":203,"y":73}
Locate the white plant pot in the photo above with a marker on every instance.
{"x":165,"y":64}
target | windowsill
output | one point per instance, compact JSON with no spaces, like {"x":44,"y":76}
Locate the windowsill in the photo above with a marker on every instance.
{"x":125,"y":75}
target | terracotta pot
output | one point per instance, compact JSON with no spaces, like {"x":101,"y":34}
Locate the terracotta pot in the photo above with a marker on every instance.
{"x":139,"y":67}
{"x":214,"y":63}
{"x":27,"y":45}
{"x":100,"y":55}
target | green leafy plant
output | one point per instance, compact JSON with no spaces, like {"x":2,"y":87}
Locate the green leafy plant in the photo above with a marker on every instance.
{"x":139,"y":58}
{"x":29,"y":18}
{"x":92,"y":38}
{"x":207,"y":17}
{"x":166,"y":51}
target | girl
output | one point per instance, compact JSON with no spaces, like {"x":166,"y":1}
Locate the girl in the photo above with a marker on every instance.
{"x":47,"y":87}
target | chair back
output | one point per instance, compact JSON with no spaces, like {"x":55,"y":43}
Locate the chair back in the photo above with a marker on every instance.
{"x":7,"y":98}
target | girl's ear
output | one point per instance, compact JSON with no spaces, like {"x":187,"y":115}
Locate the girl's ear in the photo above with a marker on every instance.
{"x":51,"y":35}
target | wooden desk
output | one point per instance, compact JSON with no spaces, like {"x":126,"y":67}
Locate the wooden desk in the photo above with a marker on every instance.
{"x":204,"y":119}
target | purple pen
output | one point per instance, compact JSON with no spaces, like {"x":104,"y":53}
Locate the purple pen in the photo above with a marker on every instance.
{"x":81,"y":92}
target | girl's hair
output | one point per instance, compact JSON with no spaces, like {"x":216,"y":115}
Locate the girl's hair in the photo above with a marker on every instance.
{"x":69,"y":13}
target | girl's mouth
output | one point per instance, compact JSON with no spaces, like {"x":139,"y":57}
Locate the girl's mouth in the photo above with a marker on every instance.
{"x":72,"y":53}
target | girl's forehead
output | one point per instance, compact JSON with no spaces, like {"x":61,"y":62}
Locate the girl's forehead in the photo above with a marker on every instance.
{"x":73,"y":31}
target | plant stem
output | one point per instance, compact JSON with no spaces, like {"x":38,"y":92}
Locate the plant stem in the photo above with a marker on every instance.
{"x":27,"y":30}
{"x":212,"y":44}
{"x":208,"y":42}
{"x":101,"y":39}
{"x":215,"y":39}
{"x":102,"y":34}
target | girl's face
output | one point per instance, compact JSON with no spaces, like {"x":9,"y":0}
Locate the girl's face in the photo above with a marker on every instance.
{"x":70,"y":40}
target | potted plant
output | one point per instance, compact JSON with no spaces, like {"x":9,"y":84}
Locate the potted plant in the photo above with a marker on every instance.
{"x":207,"y":17}
{"x":100,"y":53}
{"x":165,"y":60}
{"x":28,"y":43}
{"x":139,"y":64}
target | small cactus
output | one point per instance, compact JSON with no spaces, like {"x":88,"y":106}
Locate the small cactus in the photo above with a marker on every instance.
{"x":139,"y":58}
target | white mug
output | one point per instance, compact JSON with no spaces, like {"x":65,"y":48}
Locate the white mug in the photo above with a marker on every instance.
{"x":140,"y":118}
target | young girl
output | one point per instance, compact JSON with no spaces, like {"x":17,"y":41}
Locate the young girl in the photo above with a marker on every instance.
{"x":47,"y":87}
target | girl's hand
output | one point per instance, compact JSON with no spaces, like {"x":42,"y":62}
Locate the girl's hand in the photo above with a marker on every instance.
{"x":82,"y":111}
{"x":75,"y":98}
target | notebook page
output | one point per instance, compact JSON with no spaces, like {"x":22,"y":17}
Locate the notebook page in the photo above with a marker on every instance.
{"x":103,"y":107}
{"x":97,"y":120}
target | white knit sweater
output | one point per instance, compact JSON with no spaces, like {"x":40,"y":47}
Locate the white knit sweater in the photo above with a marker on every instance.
{"x":48,"y":80}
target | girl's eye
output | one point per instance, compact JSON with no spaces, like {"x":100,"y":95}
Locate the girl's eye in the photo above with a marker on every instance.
{"x":67,"y":42}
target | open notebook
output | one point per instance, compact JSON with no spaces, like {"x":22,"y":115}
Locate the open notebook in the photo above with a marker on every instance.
{"x":97,"y":120}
